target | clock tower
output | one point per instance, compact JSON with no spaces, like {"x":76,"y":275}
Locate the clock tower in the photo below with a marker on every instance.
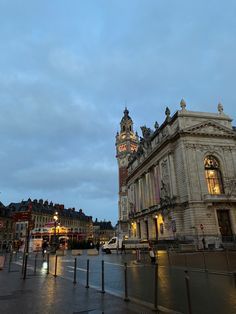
{"x":126,"y":144}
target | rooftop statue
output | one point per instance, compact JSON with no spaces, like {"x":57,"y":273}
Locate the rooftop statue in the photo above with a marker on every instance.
{"x":183,"y":104}
{"x":220,"y":108}
{"x":146,"y":132}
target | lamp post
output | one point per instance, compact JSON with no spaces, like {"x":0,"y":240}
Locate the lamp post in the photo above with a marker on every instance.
{"x":157,"y":232}
{"x":55,"y":218}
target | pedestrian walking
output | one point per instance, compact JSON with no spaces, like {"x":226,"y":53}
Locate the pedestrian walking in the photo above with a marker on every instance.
{"x":44,"y":248}
{"x":98,"y":246}
{"x":152,"y":255}
{"x":123,"y":248}
{"x":204,"y":243}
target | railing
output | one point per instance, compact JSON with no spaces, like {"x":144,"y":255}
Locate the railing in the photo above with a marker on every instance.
{"x":196,"y":282}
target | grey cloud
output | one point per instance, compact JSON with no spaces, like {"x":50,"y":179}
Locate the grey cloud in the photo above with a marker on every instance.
{"x":68,"y":70}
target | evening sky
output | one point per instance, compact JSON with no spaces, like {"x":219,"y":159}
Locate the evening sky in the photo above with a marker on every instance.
{"x":69,"y":68}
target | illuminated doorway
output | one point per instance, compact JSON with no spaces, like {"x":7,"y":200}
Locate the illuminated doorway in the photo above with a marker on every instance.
{"x":225,"y":225}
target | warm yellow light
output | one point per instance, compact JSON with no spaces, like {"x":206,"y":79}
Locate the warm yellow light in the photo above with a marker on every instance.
{"x":55,"y":217}
{"x":216,"y":189}
{"x":159,"y":219}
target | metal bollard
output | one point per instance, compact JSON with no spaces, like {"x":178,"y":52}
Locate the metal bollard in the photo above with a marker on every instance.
{"x":35,"y":263}
{"x":138,"y":256}
{"x":156,"y":288}
{"x":188,"y":292}
{"x":204,"y":260}
{"x":55,"y":274}
{"x":25,"y":265}
{"x":9,"y":264}
{"x":168,"y":255}
{"x":87,"y":277}
{"x":227,"y":260}
{"x":126,"y":283}
{"x":103,"y":291}
{"x":185,"y":260}
{"x":75,"y":267}
{"x":47,"y":263}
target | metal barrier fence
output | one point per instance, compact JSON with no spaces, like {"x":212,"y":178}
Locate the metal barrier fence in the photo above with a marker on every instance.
{"x":184,"y":282}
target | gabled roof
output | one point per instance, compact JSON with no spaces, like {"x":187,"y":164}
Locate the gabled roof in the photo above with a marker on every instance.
{"x":209,"y":128}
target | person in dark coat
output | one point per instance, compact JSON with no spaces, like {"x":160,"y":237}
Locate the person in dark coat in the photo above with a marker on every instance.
{"x":44,"y":248}
{"x":204,"y":243}
{"x":123,"y":248}
{"x":98,"y":246}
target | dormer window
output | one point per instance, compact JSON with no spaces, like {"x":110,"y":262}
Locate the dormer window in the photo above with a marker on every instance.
{"x":213,"y":175}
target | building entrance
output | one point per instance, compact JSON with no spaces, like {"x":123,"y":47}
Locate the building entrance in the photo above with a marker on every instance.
{"x":225,"y":225}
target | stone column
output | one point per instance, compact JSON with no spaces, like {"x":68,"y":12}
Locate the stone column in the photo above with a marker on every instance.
{"x":173,"y":186}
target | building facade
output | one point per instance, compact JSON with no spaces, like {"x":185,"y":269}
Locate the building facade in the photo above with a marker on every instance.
{"x":6,"y":228}
{"x":126,"y":144}
{"x":75,"y":222}
{"x":103,"y":231}
{"x":181,"y":181}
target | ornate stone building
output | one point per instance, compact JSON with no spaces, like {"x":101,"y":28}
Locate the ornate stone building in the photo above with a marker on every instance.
{"x":181,"y":182}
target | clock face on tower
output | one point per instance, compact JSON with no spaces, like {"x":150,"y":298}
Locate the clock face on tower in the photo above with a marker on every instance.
{"x":133,"y":147}
{"x":122,"y":147}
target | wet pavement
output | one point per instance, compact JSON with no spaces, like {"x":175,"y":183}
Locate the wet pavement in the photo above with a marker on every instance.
{"x":210,"y":277}
{"x":47,"y":294}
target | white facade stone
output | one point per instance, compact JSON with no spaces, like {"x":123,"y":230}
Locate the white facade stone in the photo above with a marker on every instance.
{"x":167,"y":178}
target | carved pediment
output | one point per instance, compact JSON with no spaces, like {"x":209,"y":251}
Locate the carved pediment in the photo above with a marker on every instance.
{"x":210,"y":128}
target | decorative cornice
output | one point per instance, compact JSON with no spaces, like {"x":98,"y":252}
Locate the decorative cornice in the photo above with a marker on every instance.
{"x":201,"y":129}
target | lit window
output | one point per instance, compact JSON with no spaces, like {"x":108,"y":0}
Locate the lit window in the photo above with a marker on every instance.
{"x":213,"y":175}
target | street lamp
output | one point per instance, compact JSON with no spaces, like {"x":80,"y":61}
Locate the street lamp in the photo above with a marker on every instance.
{"x":157,"y":232}
{"x":156,"y":227}
{"x":55,"y":218}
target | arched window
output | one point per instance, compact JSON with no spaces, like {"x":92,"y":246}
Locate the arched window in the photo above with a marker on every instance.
{"x":213,"y":175}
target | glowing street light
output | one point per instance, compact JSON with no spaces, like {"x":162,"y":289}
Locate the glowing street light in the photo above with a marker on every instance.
{"x":55,"y":218}
{"x":157,"y":232}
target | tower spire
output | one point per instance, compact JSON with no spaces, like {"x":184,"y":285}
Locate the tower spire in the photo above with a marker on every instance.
{"x":126,"y":143}
{"x":126,"y":123}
